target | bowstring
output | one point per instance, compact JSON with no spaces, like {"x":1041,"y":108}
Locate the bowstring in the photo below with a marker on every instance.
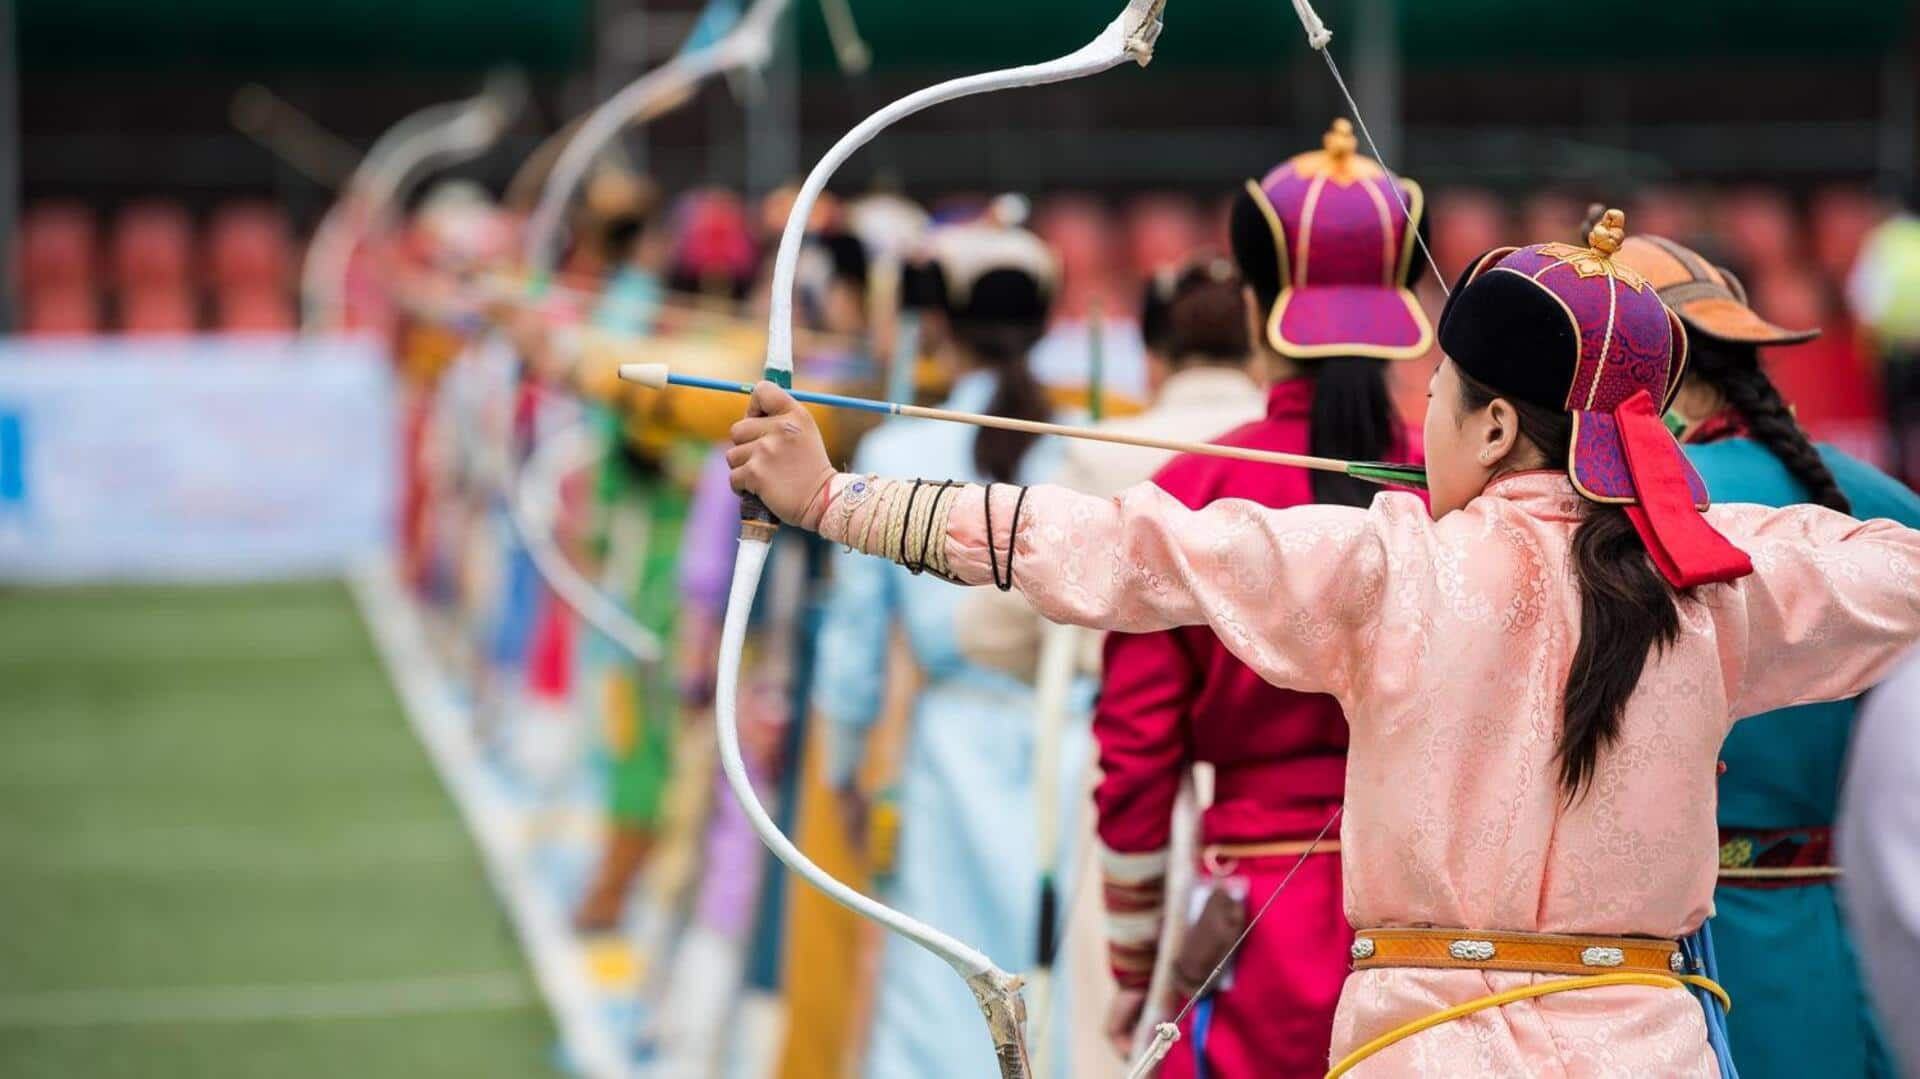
{"x":1220,"y":967}
{"x":1318,"y":37}
{"x":1374,"y":148}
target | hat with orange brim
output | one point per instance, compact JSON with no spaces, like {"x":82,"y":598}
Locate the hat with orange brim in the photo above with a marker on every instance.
{"x":1708,"y":298}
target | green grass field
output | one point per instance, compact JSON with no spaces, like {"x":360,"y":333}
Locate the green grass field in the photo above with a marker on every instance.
{"x":222,"y":852}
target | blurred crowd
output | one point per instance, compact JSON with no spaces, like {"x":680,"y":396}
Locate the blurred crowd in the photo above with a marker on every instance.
{"x":152,"y":267}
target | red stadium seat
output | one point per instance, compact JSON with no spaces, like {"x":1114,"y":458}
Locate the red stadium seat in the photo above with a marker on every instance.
{"x":1828,"y":381}
{"x":1670,"y":212}
{"x":1162,"y":231}
{"x":249,"y":244}
{"x":58,"y":241}
{"x":1551,"y":215}
{"x":1761,"y":231}
{"x":62,"y":311}
{"x":254,"y":309}
{"x":1792,"y":297}
{"x":1077,"y":229}
{"x":152,"y":246}
{"x":1840,"y":218}
{"x":159,"y":309}
{"x":1462,"y":222}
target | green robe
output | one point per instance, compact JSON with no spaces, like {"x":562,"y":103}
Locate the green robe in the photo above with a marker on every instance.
{"x":641,"y":510}
{"x":644,"y":512}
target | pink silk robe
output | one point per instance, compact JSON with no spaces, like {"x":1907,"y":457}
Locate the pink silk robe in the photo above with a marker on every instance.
{"x":1447,"y":643}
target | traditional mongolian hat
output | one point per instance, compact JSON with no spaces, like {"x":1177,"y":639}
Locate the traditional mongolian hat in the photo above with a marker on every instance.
{"x":1176,"y":282}
{"x":826,"y":259}
{"x":992,"y":273}
{"x":1708,"y":298}
{"x":714,"y":249}
{"x":1331,"y":235}
{"x":1565,"y":326}
{"x":833,"y":256}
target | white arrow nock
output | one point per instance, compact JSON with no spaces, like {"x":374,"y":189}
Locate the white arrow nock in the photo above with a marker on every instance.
{"x":651,"y":375}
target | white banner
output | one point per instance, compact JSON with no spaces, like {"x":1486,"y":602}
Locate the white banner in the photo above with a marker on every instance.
{"x":194,"y":458}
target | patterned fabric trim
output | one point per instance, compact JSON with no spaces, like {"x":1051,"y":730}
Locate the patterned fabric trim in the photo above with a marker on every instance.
{"x":1786,"y":858}
{"x":1134,"y":887}
{"x":1133,"y":868}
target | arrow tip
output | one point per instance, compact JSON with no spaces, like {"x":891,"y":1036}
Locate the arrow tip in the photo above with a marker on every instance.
{"x":651,"y":375}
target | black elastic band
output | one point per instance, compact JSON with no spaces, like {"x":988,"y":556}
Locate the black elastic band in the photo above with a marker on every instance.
{"x":1013,"y":531}
{"x":933,"y":514}
{"x":1006,"y":584}
{"x":911,"y":568}
{"x":993,"y":559}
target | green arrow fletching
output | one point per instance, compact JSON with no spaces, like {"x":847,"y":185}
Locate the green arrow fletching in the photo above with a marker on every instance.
{"x":1383,"y":472}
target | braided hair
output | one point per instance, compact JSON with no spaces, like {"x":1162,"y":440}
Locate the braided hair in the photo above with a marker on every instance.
{"x":1734,"y":370}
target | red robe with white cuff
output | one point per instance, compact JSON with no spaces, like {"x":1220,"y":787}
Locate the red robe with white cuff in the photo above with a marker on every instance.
{"x":1176,"y":697}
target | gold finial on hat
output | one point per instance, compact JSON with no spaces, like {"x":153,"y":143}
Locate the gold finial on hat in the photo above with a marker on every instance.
{"x":1338,"y":159}
{"x":1339,"y":143}
{"x":1604,"y":240}
{"x":1608,"y":233}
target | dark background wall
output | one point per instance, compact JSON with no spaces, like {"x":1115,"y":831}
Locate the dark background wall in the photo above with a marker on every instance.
{"x":121,"y":99}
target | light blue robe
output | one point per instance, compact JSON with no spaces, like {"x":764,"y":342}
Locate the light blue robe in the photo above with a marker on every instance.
{"x":966,"y":854}
{"x":1799,"y":1008}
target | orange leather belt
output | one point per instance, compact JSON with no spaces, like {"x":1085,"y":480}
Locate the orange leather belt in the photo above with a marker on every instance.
{"x":1220,"y":858}
{"x":1526,"y":953}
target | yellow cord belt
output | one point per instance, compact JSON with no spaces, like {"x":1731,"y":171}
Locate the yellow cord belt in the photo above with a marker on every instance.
{"x":1405,"y":948}
{"x":1495,"y":1000}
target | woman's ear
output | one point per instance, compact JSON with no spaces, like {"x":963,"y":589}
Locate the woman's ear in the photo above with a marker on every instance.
{"x":1502,"y":432}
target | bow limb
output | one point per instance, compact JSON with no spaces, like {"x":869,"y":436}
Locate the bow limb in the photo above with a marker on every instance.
{"x":848,"y":47}
{"x":749,"y":44}
{"x":1052,"y":685}
{"x":1130,"y":36}
{"x":1317,"y":33}
{"x":532,"y":508}
{"x":436,"y":135}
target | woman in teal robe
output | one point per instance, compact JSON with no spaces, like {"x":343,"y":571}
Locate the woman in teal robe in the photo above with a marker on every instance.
{"x":1799,"y":1006}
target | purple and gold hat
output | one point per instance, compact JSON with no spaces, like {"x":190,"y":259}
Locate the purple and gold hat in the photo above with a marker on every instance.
{"x":1331,"y":234}
{"x":1565,"y":326}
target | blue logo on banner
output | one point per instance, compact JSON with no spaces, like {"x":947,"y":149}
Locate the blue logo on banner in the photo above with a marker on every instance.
{"x":13,"y":460}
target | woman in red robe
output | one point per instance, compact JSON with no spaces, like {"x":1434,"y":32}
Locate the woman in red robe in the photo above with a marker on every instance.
{"x":1325,"y":244}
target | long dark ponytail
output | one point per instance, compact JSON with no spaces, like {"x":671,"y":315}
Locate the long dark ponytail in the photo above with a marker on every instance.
{"x":1352,"y":418}
{"x":1002,"y":347}
{"x":1735,"y":371}
{"x":1627,"y":611}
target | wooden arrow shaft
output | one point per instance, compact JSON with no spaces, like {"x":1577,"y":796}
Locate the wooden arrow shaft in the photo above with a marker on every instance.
{"x":1032,"y":427}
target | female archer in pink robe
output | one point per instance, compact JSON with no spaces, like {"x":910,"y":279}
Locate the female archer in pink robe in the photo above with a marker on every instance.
{"x":1538,"y":675}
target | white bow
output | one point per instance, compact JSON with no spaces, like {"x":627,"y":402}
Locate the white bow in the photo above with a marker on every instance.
{"x":748,"y":46}
{"x":436,"y":136}
{"x":1131,"y":36}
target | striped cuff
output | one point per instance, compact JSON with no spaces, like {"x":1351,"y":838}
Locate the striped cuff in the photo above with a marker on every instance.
{"x":1135,"y":888}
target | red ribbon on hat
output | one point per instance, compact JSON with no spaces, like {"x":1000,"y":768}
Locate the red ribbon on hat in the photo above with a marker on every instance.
{"x":1685,"y":548}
